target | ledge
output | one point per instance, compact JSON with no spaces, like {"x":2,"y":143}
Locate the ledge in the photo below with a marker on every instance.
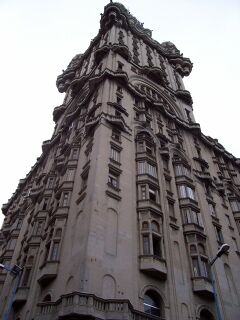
{"x":203,"y":287}
{"x":48,"y":272}
{"x":153,"y":266}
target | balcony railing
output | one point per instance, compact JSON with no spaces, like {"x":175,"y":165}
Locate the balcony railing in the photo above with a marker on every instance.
{"x":89,"y":305}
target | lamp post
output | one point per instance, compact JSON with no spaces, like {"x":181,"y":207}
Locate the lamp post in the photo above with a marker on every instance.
{"x":223,"y":249}
{"x":15,"y":271}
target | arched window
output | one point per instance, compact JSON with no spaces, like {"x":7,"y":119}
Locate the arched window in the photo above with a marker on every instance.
{"x":47,"y":298}
{"x":206,"y":315}
{"x":152,"y":303}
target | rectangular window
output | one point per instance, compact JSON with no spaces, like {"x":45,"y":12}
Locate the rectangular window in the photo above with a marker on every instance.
{"x":144,"y":167}
{"x":26,"y":276}
{"x":116,"y":135}
{"x":50,"y":182}
{"x":140,"y":146}
{"x":156,"y":241}
{"x":75,"y":154}
{"x":146,"y":244}
{"x":196,"y":269}
{"x":70,"y":174}
{"x":38,"y":228}
{"x":181,"y":170}
{"x":211,"y":209}
{"x":55,"y":251}
{"x":152,"y":194}
{"x":235,"y":205}
{"x":115,"y":155}
{"x":65,"y":199}
{"x":219,"y":235}
{"x":185,"y":192}
{"x":113,"y":179}
{"x":191,"y":216}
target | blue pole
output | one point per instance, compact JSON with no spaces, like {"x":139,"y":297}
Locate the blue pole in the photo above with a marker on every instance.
{"x":219,"y":317}
{"x":8,"y":309}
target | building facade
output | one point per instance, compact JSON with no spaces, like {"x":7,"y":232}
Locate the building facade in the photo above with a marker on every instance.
{"x":129,"y":201}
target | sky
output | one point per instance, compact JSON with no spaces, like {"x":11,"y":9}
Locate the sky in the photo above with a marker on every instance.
{"x":39,"y":38}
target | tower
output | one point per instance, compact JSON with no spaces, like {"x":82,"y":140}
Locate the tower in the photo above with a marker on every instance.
{"x":129,"y":200}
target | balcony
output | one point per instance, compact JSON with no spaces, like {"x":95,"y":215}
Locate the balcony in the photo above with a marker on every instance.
{"x":193,"y":227}
{"x":21,"y":296}
{"x":149,"y":204}
{"x":86,"y":306}
{"x":48,"y":272}
{"x":203,"y":287}
{"x":154,"y":266}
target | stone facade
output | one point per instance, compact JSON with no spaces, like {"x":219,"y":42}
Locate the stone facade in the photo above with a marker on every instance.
{"x":129,"y":201}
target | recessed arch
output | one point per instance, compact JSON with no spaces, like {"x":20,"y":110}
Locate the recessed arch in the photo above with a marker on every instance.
{"x":138,"y":81}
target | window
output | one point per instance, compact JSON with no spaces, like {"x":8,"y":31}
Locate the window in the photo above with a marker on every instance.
{"x":219,"y":235}
{"x":27,"y":271}
{"x":119,"y":100}
{"x":50,"y":182}
{"x":148,"y":192}
{"x":38,"y":228}
{"x":143,"y":167}
{"x":119,"y":89}
{"x":235,"y":205}
{"x":171,"y":209}
{"x":152,"y":303}
{"x":65,"y":199}
{"x":19,"y":224}
{"x":235,"y":245}
{"x":55,"y":251}
{"x":74,"y":154}
{"x":200,"y":265}
{"x":113,"y":179}
{"x":185,"y":191}
{"x":182,"y":170}
{"x":145,"y":143}
{"x":115,"y":154}
{"x":146,"y":245}
{"x":152,"y":239}
{"x":84,"y":180}
{"x":120,"y":66}
{"x":228,"y":220}
{"x":212,"y":209}
{"x":116,"y":135}
{"x":191,"y":216}
{"x":45,"y":203}
{"x":152,"y":194}
{"x":70,"y":174}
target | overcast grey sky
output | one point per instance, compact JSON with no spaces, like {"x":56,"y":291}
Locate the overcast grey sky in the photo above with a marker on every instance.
{"x":39,"y":38}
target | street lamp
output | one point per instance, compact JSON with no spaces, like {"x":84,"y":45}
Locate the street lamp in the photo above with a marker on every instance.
{"x":15,"y":271}
{"x":223,"y":249}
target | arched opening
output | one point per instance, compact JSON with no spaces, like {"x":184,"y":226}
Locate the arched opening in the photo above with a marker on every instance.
{"x":47,"y":298}
{"x":152,"y":303}
{"x":206,"y":315}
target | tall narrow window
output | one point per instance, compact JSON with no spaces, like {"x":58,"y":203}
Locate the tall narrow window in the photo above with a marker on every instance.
{"x":65,"y":199}
{"x":115,"y":154}
{"x":113,"y":179}
{"x":55,"y":251}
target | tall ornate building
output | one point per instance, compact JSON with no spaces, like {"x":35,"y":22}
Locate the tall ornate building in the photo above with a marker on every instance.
{"x":129,"y":201}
